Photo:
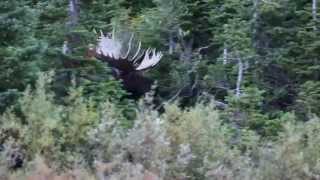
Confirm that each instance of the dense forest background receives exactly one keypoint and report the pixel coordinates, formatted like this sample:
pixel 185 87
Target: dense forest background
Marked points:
pixel 237 93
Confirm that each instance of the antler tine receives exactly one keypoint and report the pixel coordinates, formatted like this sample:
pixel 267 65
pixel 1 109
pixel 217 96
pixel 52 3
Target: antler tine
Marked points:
pixel 108 47
pixel 139 56
pixel 153 51
pixel 99 48
pixel 156 57
pixel 129 47
pixel 145 53
pixel 148 61
pixel 148 51
pixel 137 53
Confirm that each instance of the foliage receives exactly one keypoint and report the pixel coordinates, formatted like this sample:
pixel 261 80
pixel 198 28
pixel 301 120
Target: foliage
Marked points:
pixel 56 131
pixel 194 143
pixel 246 112
pixel 308 98
pixel 80 118
pixel 20 51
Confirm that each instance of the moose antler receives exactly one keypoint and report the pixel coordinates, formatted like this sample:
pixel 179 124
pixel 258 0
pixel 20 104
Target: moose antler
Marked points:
pixel 127 59
pixel 110 49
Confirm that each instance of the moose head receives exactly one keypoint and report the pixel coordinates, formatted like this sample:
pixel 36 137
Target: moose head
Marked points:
pixel 128 61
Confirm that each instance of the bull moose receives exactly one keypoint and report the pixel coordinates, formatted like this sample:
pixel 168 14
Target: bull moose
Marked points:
pixel 127 60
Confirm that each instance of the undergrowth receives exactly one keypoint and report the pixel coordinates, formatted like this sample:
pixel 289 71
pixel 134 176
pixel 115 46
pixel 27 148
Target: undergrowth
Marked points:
pixel 82 140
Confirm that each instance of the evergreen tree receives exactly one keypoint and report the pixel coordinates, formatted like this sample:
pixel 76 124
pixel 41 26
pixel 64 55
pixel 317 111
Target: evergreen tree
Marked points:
pixel 21 53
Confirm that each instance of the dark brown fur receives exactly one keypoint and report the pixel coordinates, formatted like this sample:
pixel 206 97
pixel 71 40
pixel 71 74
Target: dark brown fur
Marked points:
pixel 133 81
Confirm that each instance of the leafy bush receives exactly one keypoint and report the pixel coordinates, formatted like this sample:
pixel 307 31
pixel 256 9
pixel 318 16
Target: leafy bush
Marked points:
pixel 58 132
pixel 308 98
pixel 191 143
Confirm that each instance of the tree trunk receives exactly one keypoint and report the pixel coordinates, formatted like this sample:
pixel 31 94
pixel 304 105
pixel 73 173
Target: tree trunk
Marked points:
pixel 314 13
pixel 186 54
pixel 73 13
pixel 255 23
pixel 171 43
pixel 225 56
pixel 240 77
pixel 73 20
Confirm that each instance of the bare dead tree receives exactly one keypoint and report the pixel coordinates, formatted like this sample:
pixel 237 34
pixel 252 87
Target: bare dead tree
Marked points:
pixel 172 44
pixel 255 23
pixel 225 55
pixel 255 7
pixel 186 54
pixel 186 45
pixel 73 20
pixel 74 11
pixel 65 48
pixel 314 13
pixel 240 77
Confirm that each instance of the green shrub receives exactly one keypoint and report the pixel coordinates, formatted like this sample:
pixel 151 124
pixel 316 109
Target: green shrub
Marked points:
pixel 192 143
pixel 308 98
pixel 55 131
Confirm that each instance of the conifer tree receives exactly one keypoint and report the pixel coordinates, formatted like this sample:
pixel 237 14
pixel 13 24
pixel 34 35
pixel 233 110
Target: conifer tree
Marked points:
pixel 21 52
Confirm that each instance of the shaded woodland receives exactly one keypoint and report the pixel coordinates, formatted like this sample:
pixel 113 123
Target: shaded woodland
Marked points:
pixel 234 93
